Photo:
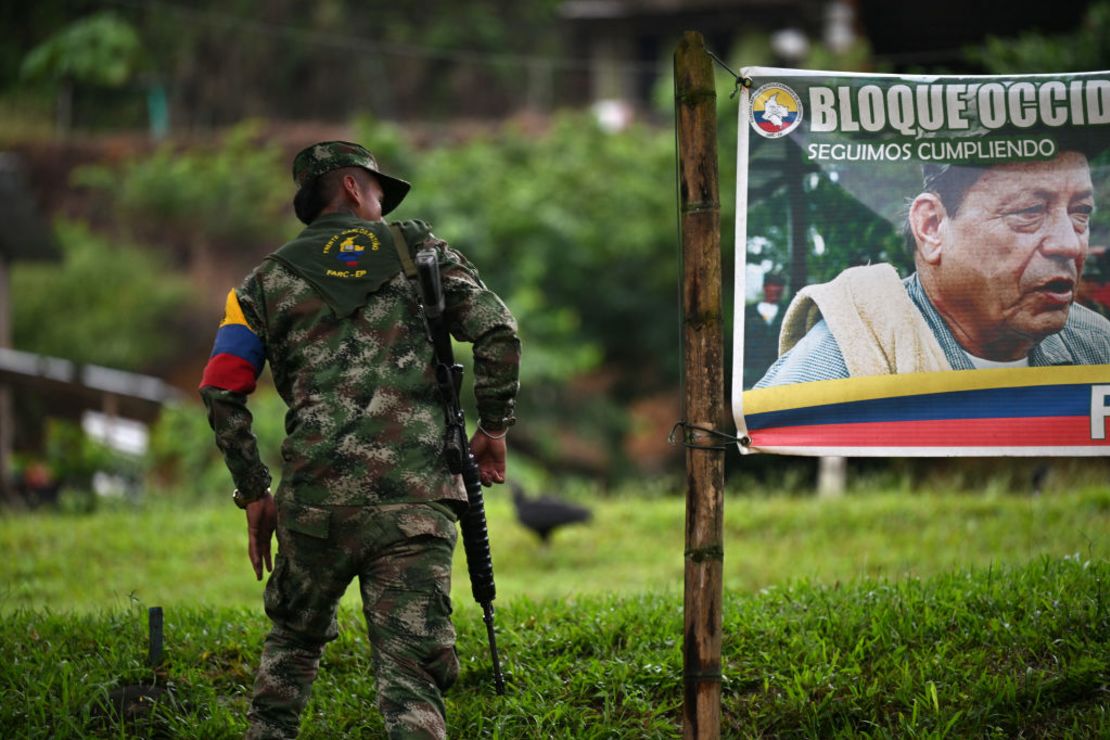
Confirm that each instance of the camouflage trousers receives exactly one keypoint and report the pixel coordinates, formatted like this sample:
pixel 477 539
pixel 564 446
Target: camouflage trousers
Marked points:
pixel 401 556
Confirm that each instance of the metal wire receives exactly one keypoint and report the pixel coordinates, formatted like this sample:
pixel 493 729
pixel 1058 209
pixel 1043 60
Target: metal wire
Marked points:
pixel 689 429
pixel 740 80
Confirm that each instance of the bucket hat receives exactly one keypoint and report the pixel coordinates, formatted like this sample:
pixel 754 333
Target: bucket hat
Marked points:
pixel 318 159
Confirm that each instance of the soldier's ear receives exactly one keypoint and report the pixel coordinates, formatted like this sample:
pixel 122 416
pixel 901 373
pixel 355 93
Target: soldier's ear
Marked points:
pixel 928 220
pixel 351 188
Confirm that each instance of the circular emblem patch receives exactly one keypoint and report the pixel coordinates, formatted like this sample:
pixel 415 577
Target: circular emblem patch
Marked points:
pixel 349 247
pixel 776 110
pixel 349 251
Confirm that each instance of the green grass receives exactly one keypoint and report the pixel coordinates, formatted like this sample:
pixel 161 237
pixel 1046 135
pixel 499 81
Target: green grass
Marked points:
pixel 1001 652
pixel 178 555
pixel 876 615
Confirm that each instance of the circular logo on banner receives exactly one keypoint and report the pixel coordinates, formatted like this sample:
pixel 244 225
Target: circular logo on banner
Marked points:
pixel 776 110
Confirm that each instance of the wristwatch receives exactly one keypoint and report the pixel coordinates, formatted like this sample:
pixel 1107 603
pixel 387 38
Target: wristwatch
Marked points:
pixel 242 501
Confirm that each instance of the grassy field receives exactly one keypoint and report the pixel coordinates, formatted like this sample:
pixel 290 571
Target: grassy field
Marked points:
pixel 878 615
pixel 178 556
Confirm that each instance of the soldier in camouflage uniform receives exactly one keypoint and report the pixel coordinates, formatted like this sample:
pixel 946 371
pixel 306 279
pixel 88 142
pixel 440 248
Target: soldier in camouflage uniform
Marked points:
pixel 365 492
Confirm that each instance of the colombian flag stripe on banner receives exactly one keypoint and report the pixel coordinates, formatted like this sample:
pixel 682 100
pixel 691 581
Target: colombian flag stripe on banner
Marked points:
pixel 238 354
pixel 1027 411
pixel 996 403
pixel 1067 431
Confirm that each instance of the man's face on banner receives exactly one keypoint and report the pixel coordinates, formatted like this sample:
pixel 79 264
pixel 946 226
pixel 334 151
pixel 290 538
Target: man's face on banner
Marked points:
pixel 1005 269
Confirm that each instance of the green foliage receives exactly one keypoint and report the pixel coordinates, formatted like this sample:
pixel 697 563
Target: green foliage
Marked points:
pixel 573 227
pixel 100 49
pixel 576 229
pixel 237 193
pixel 485 24
pixel 1006 651
pixel 183 459
pixel 390 144
pixel 72 457
pixel 106 303
pixel 848 231
pixel 329 59
pixel 1086 49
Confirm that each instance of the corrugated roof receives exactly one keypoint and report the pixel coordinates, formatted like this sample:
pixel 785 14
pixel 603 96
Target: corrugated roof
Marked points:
pixel 84 386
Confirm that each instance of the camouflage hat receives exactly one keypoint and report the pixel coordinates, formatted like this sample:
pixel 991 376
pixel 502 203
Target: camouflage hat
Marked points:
pixel 313 161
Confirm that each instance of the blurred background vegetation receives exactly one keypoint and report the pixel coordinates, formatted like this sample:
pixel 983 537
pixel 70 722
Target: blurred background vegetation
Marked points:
pixel 156 138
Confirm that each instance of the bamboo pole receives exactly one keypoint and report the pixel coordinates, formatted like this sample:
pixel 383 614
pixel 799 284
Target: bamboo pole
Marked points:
pixel 696 121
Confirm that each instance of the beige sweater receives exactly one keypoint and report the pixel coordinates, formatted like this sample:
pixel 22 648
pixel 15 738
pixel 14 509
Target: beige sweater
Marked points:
pixel 879 329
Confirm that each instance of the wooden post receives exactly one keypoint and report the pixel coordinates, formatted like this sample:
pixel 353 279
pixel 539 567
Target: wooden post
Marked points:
pixel 696 119
pixel 832 476
pixel 7 420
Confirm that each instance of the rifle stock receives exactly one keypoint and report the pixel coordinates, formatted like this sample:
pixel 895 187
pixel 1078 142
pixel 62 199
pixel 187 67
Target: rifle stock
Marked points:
pixel 475 532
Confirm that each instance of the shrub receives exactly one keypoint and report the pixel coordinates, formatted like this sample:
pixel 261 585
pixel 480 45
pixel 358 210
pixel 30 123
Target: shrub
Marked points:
pixel 183 457
pixel 108 304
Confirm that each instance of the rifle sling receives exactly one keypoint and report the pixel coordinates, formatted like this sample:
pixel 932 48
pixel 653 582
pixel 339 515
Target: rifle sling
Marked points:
pixel 402 246
pixel 437 330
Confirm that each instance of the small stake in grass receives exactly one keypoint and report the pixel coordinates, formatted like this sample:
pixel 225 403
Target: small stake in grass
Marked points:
pixel 132 705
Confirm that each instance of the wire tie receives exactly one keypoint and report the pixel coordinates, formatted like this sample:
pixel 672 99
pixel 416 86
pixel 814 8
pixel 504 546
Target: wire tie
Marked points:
pixel 688 437
pixel 740 81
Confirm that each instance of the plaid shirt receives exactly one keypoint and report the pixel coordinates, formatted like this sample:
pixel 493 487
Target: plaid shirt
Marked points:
pixel 1084 340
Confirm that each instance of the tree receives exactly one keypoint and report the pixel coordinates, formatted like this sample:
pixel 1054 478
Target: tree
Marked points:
pixel 99 50
pixel 104 304
pixel 1085 49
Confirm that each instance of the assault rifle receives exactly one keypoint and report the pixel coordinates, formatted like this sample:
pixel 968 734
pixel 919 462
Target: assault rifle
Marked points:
pixel 457 449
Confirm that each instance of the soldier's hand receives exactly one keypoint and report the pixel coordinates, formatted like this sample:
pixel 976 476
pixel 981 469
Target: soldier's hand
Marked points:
pixel 261 521
pixel 489 453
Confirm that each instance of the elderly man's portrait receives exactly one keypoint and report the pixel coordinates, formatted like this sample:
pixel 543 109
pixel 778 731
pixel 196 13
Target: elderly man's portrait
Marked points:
pixel 992 276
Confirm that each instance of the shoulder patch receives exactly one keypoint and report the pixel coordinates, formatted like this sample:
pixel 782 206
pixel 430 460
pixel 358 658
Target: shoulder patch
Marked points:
pixel 237 355
pixel 233 312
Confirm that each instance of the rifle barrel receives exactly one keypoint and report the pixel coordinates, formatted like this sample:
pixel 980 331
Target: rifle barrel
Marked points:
pixel 487 617
pixel 475 532
pixel 479 560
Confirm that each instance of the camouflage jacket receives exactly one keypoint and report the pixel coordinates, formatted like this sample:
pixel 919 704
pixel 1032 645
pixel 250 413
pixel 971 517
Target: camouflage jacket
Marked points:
pixel 364 423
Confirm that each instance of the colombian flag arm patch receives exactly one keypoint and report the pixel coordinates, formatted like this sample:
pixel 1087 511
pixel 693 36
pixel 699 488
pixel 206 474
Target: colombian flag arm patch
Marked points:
pixel 238 355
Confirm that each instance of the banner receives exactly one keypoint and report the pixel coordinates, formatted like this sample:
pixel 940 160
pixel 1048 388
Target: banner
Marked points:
pixel 922 264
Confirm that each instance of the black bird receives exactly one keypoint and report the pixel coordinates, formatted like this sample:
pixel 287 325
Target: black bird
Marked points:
pixel 546 513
